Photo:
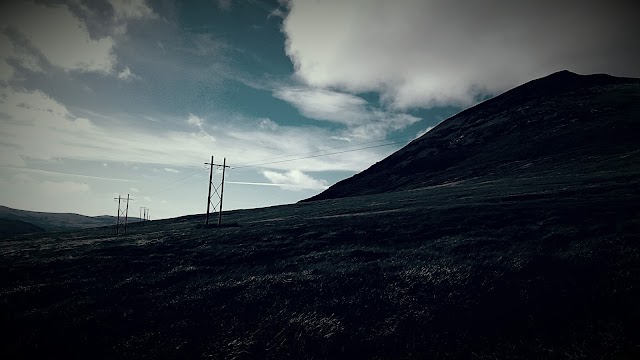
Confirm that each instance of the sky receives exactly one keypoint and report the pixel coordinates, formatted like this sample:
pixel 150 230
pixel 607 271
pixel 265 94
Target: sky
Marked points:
pixel 100 99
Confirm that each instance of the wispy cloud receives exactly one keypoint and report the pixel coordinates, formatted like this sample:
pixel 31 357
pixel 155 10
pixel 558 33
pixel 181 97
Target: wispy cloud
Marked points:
pixel 196 121
pixel 64 174
pixel 132 9
pixel 294 180
pixel 224 4
pixel 66 187
pixel 127 75
pixel 361 120
pixel 39 127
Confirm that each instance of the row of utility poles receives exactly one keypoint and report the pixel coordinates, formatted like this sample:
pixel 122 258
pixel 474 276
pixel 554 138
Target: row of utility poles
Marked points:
pixel 146 214
pixel 122 216
pixel 218 190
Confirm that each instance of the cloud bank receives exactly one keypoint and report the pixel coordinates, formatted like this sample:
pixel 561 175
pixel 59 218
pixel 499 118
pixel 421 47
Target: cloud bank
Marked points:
pixel 361 120
pixel 425 53
pixel 37 127
pixel 68 45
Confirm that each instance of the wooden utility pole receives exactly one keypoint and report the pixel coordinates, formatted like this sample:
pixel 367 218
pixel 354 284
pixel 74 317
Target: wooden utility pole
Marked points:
pixel 143 213
pixel 215 190
pixel 122 214
pixel 224 165
pixel 209 195
pixel 118 216
pixel 126 215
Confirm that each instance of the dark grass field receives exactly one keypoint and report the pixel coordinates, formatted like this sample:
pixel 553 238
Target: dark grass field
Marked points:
pixel 537 267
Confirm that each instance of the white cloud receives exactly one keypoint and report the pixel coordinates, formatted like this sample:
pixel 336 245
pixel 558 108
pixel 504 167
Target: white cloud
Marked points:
pixel 352 111
pixel 224 4
pixel 341 138
pixel 267 124
pixel 134 190
pixel 126 74
pixel 277 12
pixel 67 44
pixel 65 187
pixel 131 9
pixel 62 174
pixel 195 121
pixel 170 170
pixel 426 53
pixel 294 180
pixel 325 104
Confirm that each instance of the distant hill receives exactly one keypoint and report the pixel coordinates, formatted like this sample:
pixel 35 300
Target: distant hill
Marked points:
pixel 17 227
pixel 56 221
pixel 564 123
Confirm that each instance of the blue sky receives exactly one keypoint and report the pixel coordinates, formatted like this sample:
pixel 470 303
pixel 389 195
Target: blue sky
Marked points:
pixel 104 98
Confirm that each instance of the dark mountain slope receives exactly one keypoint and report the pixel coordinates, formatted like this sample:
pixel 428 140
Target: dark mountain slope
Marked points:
pixel 17 227
pixel 563 123
pixel 56 221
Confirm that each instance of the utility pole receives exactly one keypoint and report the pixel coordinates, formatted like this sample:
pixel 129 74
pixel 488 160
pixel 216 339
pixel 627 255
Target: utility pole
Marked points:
pixel 209 195
pixel 224 165
pixel 215 190
pixel 122 213
pixel 143 216
pixel 126 215
pixel 118 216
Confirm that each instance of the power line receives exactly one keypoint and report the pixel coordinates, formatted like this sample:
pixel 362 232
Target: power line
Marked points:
pixel 314 156
pixel 169 184
pixel 186 179
pixel 248 164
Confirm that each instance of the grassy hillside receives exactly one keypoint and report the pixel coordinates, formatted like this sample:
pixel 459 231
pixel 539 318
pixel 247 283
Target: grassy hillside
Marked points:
pixel 521 267
pixel 57 221
pixel 17 227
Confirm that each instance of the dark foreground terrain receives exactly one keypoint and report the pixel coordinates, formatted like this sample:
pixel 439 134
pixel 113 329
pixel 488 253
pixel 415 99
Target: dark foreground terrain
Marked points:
pixel 541 264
